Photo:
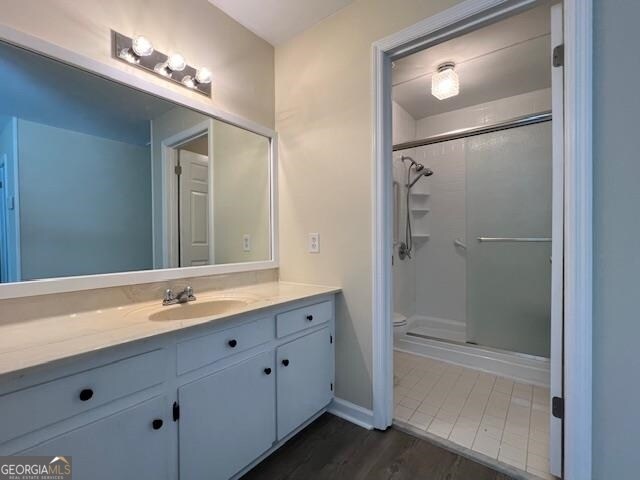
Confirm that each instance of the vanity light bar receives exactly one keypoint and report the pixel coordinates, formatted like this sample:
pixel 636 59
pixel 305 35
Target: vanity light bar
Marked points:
pixel 139 52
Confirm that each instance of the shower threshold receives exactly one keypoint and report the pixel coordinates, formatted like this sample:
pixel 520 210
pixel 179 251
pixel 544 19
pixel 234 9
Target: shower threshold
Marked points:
pixel 476 345
pixel 517 366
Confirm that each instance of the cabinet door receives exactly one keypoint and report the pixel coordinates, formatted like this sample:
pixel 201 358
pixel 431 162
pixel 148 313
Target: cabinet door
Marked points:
pixel 305 377
pixel 126 445
pixel 227 419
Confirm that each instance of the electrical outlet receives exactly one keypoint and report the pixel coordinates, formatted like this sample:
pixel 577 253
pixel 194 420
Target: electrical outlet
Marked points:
pixel 246 242
pixel 314 243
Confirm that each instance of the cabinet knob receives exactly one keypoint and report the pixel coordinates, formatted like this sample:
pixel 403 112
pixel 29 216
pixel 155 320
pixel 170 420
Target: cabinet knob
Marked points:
pixel 233 343
pixel 267 371
pixel 86 394
pixel 285 362
pixel 310 317
pixel 157 424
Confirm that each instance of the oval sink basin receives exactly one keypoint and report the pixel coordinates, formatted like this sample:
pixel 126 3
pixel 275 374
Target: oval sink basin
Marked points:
pixel 187 311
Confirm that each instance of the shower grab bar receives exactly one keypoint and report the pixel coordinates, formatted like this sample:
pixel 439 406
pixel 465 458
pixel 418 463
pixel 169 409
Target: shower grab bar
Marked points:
pixel 459 243
pixel 514 239
pixel 396 213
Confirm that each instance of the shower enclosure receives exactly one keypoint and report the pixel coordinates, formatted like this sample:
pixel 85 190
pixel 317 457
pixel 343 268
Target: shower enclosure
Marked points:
pixel 484 275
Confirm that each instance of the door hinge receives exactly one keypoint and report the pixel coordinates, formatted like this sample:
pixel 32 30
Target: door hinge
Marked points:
pixel 332 387
pixel 557 407
pixel 558 55
pixel 330 338
pixel 178 170
pixel 176 411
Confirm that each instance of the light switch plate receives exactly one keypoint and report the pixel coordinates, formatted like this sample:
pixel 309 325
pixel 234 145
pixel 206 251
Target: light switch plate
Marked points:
pixel 246 242
pixel 314 243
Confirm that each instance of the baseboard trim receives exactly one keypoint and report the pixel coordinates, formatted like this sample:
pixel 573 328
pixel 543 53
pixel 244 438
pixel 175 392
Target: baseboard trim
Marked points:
pixel 352 413
pixel 522 368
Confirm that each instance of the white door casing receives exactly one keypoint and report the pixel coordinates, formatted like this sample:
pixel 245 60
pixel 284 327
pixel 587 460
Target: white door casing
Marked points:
pixel 578 223
pixel 557 246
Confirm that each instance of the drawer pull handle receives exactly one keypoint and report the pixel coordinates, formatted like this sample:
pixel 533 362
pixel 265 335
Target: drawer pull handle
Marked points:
pixel 157 424
pixel 267 371
pixel 285 362
pixel 86 394
pixel 310 317
pixel 233 343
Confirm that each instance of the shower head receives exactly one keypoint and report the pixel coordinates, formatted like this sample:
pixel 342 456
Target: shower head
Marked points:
pixel 424 172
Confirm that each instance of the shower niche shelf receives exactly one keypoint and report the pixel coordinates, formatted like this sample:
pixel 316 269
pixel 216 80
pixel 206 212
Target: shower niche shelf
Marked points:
pixel 420 211
pixel 421 236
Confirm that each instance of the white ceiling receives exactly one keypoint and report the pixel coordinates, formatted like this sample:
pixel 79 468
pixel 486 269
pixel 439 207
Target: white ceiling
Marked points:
pixel 507 58
pixel 277 21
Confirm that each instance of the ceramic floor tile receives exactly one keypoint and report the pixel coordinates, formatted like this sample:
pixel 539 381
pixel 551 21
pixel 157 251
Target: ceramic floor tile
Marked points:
pixel 541 474
pixel 495 416
pixel 516 441
pixel 409 403
pixel 402 413
pixel 503 385
pixel 463 436
pixel 420 420
pixel 440 428
pixel 428 409
pixel 538 448
pixel 486 445
pixel 539 463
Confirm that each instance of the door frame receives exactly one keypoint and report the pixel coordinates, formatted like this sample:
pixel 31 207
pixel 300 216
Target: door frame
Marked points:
pixel 170 226
pixel 578 194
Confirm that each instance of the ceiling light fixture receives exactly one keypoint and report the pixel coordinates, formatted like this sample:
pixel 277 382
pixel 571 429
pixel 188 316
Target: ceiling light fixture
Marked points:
pixel 139 52
pixel 445 83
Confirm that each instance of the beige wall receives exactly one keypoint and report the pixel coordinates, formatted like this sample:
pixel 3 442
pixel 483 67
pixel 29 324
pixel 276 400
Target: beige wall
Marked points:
pixel 323 117
pixel 241 62
pixel 241 194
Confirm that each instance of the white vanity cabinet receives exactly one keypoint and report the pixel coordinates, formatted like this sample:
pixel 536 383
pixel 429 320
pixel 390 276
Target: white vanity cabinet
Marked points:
pixel 305 379
pixel 203 402
pixel 228 419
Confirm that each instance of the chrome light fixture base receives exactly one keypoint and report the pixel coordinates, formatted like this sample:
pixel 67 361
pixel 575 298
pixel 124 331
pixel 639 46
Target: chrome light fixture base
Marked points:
pixel 122 49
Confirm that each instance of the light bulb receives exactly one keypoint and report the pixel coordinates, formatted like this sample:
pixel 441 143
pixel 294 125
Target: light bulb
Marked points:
pixel 445 83
pixel 176 62
pixel 161 69
pixel 188 81
pixel 127 55
pixel 142 46
pixel 203 75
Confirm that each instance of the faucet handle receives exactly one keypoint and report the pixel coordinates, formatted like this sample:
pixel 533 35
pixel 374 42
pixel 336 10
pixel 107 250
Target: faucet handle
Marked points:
pixel 189 291
pixel 168 295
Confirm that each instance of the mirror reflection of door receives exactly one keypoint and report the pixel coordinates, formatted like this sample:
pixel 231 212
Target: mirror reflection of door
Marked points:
pixel 193 203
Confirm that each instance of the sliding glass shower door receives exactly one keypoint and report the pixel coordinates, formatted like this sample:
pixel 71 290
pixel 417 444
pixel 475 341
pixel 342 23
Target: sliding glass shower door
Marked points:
pixel 508 232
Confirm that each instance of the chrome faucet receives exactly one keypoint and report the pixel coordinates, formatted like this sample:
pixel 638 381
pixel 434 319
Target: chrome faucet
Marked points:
pixel 184 296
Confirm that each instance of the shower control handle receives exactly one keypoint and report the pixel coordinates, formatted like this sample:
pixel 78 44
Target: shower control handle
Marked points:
pixel 459 243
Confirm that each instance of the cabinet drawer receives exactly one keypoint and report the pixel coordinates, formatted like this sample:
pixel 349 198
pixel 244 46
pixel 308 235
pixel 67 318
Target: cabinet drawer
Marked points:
pixel 36 407
pixel 301 318
pixel 201 351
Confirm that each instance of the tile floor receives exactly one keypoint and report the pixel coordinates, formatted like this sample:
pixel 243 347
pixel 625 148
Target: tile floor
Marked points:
pixel 492 415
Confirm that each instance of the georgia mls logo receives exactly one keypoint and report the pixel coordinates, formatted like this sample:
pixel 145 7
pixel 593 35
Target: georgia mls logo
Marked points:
pixel 35 468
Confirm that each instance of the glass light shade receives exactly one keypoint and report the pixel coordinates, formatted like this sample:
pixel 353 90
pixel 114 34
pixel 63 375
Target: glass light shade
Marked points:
pixel 142 46
pixel 188 81
pixel 129 56
pixel 445 83
pixel 176 62
pixel 203 75
pixel 161 68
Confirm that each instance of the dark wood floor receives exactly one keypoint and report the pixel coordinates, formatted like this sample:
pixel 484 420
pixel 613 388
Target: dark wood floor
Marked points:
pixel 332 448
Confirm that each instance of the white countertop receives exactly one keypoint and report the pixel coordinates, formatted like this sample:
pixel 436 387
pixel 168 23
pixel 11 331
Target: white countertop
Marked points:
pixel 38 341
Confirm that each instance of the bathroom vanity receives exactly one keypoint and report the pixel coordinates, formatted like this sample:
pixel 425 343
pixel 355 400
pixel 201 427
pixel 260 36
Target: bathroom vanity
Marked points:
pixel 150 391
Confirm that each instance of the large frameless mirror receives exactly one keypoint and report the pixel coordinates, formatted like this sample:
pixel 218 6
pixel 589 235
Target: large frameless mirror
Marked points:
pixel 97 177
